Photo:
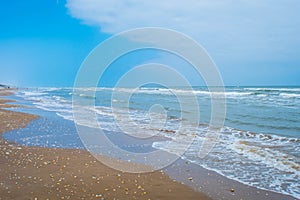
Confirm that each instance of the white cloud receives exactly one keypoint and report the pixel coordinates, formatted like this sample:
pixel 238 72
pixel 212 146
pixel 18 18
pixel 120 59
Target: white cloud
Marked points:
pixel 115 15
pixel 227 28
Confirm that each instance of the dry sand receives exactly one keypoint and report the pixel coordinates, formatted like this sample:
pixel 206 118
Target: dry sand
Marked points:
pixel 44 173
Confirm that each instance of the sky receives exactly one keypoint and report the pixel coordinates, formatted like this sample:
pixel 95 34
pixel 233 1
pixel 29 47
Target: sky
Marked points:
pixel 43 43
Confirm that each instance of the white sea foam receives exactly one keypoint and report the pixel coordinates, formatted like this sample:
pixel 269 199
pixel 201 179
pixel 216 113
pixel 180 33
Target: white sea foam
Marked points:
pixel 274 89
pixel 288 95
pixel 29 93
pixel 239 155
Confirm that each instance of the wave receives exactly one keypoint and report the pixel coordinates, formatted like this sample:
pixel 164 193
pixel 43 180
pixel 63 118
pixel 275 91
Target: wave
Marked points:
pixel 29 93
pixel 274 89
pixel 86 95
pixel 240 155
pixel 289 95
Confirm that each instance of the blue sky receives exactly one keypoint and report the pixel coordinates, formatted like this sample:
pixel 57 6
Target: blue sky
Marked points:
pixel 43 43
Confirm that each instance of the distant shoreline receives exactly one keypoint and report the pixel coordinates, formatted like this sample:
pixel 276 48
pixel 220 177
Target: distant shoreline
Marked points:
pixel 3 86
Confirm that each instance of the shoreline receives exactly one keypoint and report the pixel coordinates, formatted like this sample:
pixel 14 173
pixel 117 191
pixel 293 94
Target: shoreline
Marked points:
pixel 47 173
pixel 217 186
pixel 205 182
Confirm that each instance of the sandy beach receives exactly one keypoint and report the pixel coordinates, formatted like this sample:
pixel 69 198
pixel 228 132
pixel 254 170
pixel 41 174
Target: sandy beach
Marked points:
pixel 44 173
pixel 117 100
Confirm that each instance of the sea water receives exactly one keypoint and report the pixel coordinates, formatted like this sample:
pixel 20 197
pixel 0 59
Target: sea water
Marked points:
pixel 259 144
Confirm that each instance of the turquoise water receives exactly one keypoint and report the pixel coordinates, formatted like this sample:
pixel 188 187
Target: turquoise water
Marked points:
pixel 259 144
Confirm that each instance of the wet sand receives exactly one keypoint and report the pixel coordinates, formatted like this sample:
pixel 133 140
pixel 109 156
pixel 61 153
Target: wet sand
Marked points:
pixel 217 186
pixel 44 173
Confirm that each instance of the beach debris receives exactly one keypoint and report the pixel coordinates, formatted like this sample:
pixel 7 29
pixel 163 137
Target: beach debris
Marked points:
pixel 46 163
pixel 190 178
pixel 231 190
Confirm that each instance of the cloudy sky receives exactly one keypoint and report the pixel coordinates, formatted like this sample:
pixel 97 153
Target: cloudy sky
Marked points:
pixel 43 43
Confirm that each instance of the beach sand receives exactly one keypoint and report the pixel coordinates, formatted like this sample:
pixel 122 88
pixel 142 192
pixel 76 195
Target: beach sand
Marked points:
pixel 44 173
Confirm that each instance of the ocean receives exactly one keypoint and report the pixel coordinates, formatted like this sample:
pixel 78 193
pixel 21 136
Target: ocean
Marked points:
pixel 259 144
